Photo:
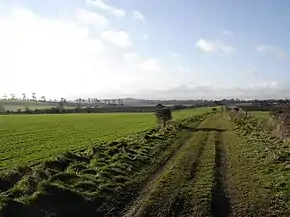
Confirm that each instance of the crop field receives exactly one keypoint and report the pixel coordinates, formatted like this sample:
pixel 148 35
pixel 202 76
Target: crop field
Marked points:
pixel 30 138
pixel 211 164
pixel 260 114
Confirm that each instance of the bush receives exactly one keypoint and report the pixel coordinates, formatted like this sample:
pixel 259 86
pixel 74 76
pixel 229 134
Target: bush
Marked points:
pixel 163 115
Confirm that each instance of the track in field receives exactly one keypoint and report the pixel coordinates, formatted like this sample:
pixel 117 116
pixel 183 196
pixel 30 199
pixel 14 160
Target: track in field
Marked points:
pixel 220 206
pixel 177 207
pixel 206 138
pixel 195 164
pixel 135 206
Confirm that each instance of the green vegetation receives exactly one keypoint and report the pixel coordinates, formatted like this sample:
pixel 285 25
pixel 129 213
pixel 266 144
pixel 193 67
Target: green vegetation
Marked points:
pixel 260 114
pixel 14 105
pixel 216 164
pixel 225 169
pixel 89 182
pixel 31 138
pixel 262 184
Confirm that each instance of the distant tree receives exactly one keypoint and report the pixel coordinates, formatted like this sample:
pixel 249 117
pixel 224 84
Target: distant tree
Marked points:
pixel 2 109
pixel 23 96
pixel 43 99
pixel 27 110
pixel 96 102
pixel 12 96
pixel 163 115
pixel 79 101
pixel 5 96
pixel 89 102
pixel 33 96
pixel 61 103
pixel 113 101
pixel 120 102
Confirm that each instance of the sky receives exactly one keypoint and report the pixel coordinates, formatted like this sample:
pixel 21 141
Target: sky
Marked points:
pixel 165 49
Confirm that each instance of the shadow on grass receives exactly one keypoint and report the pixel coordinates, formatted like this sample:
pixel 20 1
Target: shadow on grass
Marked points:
pixel 204 129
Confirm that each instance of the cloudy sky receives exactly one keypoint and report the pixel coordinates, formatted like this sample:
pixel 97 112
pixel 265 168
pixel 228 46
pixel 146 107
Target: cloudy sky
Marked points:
pixel 166 49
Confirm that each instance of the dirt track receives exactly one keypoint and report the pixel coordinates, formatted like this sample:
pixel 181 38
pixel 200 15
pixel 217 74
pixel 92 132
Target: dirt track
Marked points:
pixel 201 178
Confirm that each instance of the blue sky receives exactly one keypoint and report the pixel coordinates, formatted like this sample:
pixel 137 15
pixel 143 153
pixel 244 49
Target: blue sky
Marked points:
pixel 152 49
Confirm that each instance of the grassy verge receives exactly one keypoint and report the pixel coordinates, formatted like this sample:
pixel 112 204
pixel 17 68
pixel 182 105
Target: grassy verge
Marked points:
pixel 259 170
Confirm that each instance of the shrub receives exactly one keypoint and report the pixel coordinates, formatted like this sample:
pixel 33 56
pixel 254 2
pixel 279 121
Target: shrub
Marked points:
pixel 163 115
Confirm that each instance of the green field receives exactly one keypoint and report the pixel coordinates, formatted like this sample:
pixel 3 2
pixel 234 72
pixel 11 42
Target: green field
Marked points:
pixel 195 167
pixel 30 138
pixel 260 114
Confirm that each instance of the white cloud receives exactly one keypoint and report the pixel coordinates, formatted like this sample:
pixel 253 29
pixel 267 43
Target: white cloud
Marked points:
pixel 60 58
pixel 100 4
pixel 65 58
pixel 145 37
pixel 228 33
pixel 137 15
pixel 174 54
pixel 207 46
pixel 214 47
pixel 120 38
pixel 267 48
pixel 88 17
pixel 262 90
pixel 151 65
pixel 130 56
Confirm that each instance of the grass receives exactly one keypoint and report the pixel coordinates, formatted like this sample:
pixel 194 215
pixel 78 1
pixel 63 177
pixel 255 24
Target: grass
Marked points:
pixel 261 185
pixel 208 165
pixel 32 138
pixel 184 188
pixel 14 105
pixel 260 114
pixel 88 183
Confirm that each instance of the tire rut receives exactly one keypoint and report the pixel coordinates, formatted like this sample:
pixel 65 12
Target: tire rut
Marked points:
pixel 195 164
pixel 220 205
pixel 137 203
pixel 177 207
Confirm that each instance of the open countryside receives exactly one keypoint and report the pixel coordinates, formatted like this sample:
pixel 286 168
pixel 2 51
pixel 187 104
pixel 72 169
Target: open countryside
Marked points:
pixel 29 138
pixel 136 108
pixel 123 164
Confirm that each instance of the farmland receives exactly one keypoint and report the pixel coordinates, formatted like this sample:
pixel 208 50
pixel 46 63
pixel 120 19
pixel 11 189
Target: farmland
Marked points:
pixel 216 164
pixel 260 114
pixel 31 138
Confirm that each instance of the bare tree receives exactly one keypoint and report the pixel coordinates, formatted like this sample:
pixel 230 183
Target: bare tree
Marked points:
pixel 61 103
pixel 12 96
pixel 5 96
pixel 43 99
pixel 89 102
pixel 23 96
pixel 120 102
pixel 33 96
pixel 96 102
pixel 79 101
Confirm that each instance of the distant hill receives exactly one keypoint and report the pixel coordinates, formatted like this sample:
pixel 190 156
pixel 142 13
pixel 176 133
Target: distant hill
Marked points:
pixel 14 105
